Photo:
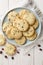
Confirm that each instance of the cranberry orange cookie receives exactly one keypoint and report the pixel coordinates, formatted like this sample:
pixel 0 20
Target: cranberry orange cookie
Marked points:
pixel 29 32
pixel 16 33
pixel 2 40
pixel 10 49
pixel 21 41
pixel 36 24
pixel 32 37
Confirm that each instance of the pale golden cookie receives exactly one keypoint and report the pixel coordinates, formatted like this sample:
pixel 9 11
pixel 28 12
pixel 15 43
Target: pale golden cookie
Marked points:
pixel 2 40
pixel 15 21
pixel 32 37
pixel 9 36
pixel 10 49
pixel 30 18
pixel 16 33
pixel 29 32
pixel 21 41
pixel 23 12
pixel 7 30
pixel 36 24
pixel 5 25
pixel 11 15
pixel 8 33
pixel 22 24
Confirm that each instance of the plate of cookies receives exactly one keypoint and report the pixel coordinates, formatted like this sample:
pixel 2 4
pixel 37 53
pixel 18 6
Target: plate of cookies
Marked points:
pixel 21 26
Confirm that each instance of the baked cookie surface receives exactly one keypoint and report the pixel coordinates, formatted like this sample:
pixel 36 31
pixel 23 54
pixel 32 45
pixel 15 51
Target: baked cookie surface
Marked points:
pixel 23 13
pixel 33 37
pixel 22 25
pixel 7 29
pixel 29 32
pixel 30 18
pixel 36 24
pixel 16 33
pixel 10 49
pixel 5 25
pixel 21 41
pixel 27 15
pixel 8 34
pixel 2 40
pixel 11 15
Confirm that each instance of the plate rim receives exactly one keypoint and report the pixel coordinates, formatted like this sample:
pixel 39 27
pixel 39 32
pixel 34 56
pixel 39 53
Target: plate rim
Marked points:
pixel 32 10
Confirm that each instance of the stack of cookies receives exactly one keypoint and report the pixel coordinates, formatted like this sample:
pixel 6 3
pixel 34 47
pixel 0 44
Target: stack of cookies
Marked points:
pixel 21 26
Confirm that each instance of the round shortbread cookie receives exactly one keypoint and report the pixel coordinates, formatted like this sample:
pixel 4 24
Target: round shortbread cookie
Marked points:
pixel 12 15
pixel 21 41
pixel 10 49
pixel 22 25
pixel 16 33
pixel 30 18
pixel 2 40
pixel 36 24
pixel 33 37
pixel 29 32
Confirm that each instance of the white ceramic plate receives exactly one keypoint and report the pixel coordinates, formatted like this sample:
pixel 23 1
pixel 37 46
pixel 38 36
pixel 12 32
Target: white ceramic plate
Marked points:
pixel 38 29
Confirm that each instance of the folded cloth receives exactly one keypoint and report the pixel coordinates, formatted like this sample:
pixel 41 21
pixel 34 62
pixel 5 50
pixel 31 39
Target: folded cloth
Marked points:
pixel 39 3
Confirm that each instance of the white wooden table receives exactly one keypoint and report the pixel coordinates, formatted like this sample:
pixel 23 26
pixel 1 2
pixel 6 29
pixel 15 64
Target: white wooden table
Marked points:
pixel 36 56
